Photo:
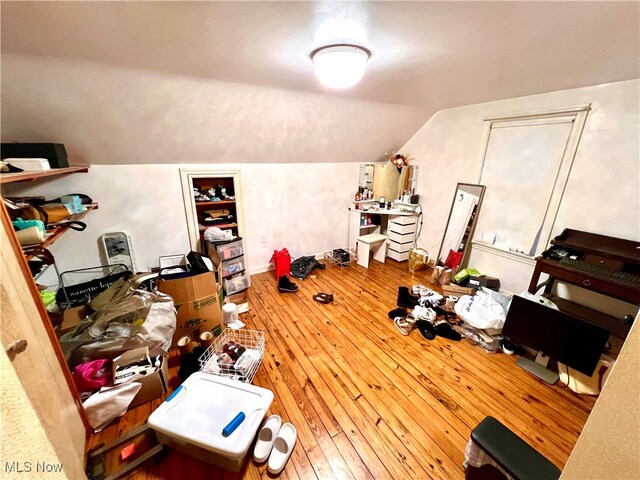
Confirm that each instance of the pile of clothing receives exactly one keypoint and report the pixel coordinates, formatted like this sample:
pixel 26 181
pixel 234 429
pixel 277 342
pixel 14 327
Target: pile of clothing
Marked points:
pixel 302 267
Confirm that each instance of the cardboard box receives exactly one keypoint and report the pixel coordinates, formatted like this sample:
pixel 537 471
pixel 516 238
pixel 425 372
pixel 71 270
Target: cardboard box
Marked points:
pixel 216 259
pixel 464 273
pixel 154 385
pixel 72 317
pixel 198 301
pixel 491 283
pixel 456 290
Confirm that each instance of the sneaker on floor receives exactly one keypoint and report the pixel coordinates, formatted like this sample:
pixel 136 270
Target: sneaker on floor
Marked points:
pixel 424 313
pixel 286 286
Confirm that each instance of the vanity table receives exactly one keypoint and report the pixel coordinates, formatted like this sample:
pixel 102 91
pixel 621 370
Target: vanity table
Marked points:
pixel 397 223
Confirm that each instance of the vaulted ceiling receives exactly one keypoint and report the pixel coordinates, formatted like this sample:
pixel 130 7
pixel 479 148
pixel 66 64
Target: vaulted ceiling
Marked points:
pixel 426 55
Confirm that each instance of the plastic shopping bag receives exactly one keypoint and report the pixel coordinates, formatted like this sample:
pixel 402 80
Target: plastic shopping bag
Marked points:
pixel 485 310
pixel 281 262
pixel 135 320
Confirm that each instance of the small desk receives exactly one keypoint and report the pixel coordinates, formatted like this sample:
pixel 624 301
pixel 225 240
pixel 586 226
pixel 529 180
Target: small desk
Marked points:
pixel 397 224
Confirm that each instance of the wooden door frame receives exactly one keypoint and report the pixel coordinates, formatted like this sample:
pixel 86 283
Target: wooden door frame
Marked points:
pixel 15 249
pixel 187 175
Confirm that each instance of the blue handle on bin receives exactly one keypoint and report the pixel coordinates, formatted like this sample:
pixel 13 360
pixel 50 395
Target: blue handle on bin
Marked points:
pixel 233 424
pixel 175 392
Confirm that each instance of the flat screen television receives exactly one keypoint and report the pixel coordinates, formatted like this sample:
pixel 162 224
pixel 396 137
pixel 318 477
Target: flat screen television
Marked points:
pixel 559 335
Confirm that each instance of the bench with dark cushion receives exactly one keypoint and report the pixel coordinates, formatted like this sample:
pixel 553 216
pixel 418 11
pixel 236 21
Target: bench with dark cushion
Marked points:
pixel 514 455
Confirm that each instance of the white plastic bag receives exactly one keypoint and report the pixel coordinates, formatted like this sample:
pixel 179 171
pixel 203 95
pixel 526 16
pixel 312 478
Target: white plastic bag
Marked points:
pixel 137 320
pixel 109 403
pixel 485 310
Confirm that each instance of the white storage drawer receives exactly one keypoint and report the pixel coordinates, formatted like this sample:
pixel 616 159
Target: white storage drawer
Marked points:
pixel 400 247
pixel 402 229
pixel 230 267
pixel 400 257
pixel 230 250
pixel 237 284
pixel 403 219
pixel 400 238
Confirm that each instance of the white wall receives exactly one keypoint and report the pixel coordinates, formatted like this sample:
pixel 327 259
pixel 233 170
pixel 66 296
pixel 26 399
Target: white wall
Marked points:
pixel 113 115
pixel 302 207
pixel 602 194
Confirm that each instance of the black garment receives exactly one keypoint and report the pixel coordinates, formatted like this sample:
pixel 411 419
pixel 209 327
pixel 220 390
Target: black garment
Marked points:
pixel 302 267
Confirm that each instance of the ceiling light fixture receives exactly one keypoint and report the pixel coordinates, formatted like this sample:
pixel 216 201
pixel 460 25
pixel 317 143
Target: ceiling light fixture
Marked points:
pixel 340 65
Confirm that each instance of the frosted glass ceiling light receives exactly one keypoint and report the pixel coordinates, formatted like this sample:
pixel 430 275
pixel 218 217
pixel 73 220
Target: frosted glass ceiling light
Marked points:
pixel 340 66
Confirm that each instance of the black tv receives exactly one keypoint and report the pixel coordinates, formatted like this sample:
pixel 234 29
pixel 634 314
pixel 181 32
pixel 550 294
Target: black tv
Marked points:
pixel 559 335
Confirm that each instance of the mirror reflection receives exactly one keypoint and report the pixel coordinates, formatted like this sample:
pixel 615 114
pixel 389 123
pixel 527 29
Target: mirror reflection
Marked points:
pixel 388 181
pixel 458 233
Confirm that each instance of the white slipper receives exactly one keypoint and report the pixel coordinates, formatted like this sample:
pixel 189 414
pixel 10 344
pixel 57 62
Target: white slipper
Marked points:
pixel 404 325
pixel 266 438
pixel 282 448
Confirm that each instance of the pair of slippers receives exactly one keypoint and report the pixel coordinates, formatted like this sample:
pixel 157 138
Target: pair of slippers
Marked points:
pixel 322 297
pixel 403 320
pixel 430 332
pixel 275 442
pixel 405 324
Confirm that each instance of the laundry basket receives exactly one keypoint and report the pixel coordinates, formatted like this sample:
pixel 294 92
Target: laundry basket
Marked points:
pixel 247 361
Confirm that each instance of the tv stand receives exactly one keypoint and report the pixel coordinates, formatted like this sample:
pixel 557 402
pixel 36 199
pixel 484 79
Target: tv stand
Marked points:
pixel 538 369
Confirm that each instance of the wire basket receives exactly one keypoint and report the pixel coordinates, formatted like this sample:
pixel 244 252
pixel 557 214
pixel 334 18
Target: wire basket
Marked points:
pixel 244 347
pixel 340 257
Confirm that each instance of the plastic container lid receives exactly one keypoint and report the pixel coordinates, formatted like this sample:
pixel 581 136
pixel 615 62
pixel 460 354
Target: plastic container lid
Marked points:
pixel 203 406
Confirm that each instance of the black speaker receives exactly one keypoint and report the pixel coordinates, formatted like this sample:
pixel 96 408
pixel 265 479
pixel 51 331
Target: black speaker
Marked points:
pixel 54 152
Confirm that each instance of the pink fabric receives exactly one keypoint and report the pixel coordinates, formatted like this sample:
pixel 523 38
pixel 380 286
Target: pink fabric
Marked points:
pixel 92 376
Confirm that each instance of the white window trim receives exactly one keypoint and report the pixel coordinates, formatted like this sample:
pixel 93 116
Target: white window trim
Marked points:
pixel 576 114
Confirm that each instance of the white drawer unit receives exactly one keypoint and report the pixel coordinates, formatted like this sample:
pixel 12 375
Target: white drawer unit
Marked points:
pixel 400 257
pixel 237 284
pixel 400 238
pixel 403 219
pixel 402 229
pixel 401 233
pixel 400 247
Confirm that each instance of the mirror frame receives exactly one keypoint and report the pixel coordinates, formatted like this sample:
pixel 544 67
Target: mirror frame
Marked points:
pixel 467 249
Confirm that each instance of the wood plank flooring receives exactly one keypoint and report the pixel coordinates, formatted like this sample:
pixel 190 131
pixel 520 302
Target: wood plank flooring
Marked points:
pixel 368 402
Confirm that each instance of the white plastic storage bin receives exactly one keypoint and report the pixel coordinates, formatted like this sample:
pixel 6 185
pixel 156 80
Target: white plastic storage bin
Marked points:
pixel 230 250
pixel 231 267
pixel 192 418
pixel 237 284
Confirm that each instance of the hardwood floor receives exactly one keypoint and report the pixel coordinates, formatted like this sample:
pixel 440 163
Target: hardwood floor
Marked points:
pixel 370 403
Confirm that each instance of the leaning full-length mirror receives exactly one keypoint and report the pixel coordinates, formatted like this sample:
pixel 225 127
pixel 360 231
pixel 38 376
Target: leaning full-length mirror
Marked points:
pixel 460 226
